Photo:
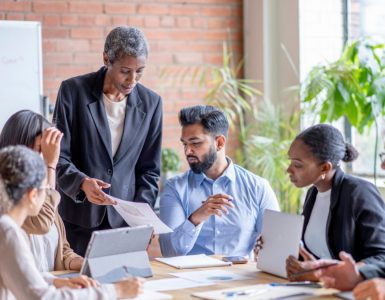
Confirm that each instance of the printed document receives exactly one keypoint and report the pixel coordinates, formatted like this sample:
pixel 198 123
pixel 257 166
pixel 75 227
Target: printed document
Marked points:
pixel 138 213
pixel 192 261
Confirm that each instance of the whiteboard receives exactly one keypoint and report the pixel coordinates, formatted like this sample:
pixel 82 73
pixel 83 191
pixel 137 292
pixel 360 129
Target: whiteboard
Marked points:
pixel 21 80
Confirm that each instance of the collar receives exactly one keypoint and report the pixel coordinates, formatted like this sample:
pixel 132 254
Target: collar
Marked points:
pixel 229 173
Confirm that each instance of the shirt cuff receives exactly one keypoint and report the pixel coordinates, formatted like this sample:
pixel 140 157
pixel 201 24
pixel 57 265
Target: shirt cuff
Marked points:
pixel 190 229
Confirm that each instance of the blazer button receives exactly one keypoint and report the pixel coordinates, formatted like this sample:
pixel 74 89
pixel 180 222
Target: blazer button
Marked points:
pixel 109 172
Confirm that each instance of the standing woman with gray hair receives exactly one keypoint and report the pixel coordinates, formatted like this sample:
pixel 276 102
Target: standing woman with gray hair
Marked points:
pixel 112 128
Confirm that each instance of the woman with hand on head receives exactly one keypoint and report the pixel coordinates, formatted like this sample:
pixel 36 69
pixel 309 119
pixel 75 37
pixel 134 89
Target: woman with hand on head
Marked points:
pixel 342 212
pixel 23 189
pixel 46 230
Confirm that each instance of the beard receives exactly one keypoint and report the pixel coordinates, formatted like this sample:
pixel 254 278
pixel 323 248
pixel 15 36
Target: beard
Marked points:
pixel 206 163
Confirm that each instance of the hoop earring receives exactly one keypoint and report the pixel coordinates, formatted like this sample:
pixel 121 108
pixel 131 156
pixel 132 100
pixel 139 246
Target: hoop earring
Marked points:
pixel 323 176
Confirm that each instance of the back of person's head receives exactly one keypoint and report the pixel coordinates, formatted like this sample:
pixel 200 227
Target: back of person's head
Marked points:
pixel 125 41
pixel 22 128
pixel 21 169
pixel 327 144
pixel 213 120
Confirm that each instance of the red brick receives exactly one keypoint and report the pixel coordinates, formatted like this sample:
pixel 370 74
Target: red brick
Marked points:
pixel 199 22
pixel 51 83
pixel 222 35
pixel 156 34
pixel 86 20
pixel 51 20
pixel 57 32
pixel 167 21
pixel 68 19
pixel 183 58
pixel 72 45
pixel 14 16
pixel 185 34
pixel 87 59
pixel 34 17
pixel 65 72
pixel 153 9
pixel 217 23
pixel 119 8
pixel 11 5
pixel 215 11
pixel 159 58
pixel 151 21
pixel 119 21
pixel 2 16
pixel 185 10
pixel 49 70
pixel 183 22
pixel 86 33
pixel 102 20
pixel 86 7
pixel 137 21
pixel 48 46
pixel 49 6
pixel 58 58
pixel 97 46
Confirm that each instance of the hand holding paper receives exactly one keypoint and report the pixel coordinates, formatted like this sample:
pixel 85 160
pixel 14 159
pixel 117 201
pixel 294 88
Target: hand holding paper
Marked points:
pixel 137 214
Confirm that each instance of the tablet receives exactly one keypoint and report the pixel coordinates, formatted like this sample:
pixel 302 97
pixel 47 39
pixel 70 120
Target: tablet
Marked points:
pixel 114 254
pixel 281 234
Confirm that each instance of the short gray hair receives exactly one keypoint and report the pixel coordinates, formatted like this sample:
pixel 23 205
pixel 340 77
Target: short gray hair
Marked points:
pixel 125 40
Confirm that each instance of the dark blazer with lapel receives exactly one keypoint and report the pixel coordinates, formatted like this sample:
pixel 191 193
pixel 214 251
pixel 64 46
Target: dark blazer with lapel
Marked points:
pixel 86 148
pixel 356 221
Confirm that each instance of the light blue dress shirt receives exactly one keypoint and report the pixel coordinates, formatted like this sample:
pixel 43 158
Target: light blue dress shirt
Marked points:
pixel 233 234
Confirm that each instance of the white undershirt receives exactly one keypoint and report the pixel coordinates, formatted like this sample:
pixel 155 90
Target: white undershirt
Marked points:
pixel 315 235
pixel 116 112
pixel 44 248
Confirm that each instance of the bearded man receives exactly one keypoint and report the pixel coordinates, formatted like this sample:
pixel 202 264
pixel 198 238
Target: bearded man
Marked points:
pixel 216 207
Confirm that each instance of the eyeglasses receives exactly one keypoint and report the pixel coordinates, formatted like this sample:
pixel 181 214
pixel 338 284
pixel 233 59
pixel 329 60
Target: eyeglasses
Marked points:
pixel 382 156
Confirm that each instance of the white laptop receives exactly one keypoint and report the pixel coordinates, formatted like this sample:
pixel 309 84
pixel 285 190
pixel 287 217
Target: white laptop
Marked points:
pixel 114 254
pixel 281 234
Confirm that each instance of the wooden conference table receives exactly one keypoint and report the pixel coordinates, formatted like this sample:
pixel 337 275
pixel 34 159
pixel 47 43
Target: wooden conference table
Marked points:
pixel 161 271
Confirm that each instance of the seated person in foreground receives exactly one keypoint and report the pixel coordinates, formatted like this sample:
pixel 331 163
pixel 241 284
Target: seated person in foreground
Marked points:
pixel 46 231
pixel 342 212
pixel 23 188
pixel 216 207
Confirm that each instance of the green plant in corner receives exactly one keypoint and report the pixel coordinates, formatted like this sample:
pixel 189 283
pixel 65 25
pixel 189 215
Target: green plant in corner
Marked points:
pixel 170 160
pixel 352 86
pixel 266 151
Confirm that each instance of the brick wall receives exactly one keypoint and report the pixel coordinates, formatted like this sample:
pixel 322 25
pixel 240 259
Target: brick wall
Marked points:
pixel 180 33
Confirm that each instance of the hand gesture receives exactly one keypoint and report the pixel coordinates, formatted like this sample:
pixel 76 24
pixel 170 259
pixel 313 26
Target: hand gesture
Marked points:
pixel 258 246
pixel 214 205
pixel 344 276
pixel 75 283
pixel 373 289
pixel 295 268
pixel 50 145
pixel 129 288
pixel 92 187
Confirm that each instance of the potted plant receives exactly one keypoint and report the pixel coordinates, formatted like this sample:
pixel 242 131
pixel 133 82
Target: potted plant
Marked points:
pixel 353 86
pixel 170 164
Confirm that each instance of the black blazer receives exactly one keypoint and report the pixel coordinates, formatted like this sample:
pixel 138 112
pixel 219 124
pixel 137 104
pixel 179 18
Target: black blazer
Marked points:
pixel 356 221
pixel 86 148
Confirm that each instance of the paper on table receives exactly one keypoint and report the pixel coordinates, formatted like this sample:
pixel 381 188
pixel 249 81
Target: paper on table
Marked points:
pixel 150 295
pixel 192 261
pixel 212 276
pixel 137 213
pixel 170 284
pixel 259 291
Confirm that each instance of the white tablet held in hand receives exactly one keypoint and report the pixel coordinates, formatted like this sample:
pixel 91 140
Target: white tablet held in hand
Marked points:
pixel 281 234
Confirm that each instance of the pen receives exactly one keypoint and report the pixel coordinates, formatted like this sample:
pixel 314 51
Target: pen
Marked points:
pixel 250 292
pixel 314 269
pixel 297 283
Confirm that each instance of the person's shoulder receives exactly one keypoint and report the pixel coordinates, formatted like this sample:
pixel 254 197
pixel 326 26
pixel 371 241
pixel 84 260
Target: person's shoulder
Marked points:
pixel 355 182
pixel 81 80
pixel 248 175
pixel 146 93
pixel 178 180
